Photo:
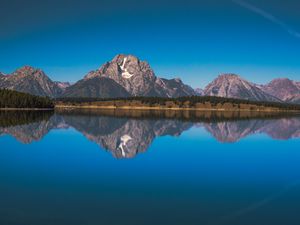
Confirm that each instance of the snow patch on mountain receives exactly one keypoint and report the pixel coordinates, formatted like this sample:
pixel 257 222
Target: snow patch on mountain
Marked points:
pixel 124 139
pixel 125 72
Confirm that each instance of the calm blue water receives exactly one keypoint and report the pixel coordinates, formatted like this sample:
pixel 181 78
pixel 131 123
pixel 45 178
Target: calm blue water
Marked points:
pixel 93 169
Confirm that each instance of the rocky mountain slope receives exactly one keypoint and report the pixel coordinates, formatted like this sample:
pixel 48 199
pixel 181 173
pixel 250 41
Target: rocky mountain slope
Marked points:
pixel 96 87
pixel 199 91
pixel 294 99
pixel 138 78
pixel 233 86
pixel 30 80
pixel 63 85
pixel 283 89
pixel 126 75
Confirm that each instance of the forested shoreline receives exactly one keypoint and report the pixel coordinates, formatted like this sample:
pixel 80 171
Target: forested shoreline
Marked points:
pixel 190 102
pixel 15 99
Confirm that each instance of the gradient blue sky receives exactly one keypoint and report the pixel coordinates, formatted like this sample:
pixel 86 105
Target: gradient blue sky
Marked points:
pixel 194 40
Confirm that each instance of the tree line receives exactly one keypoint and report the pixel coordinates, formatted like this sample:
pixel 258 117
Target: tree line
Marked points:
pixel 14 99
pixel 181 101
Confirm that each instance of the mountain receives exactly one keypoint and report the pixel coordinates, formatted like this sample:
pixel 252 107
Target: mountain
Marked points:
pixel 233 86
pixel 172 88
pixel 295 99
pixel 126 75
pixel 62 85
pixel 30 80
pixel 138 78
pixel 283 89
pixel 100 87
pixel 199 91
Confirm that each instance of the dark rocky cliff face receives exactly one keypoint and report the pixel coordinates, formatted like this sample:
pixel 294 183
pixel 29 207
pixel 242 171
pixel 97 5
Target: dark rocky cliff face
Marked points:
pixel 100 87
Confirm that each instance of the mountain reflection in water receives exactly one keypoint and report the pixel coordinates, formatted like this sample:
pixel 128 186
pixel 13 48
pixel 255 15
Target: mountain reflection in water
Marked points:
pixel 126 133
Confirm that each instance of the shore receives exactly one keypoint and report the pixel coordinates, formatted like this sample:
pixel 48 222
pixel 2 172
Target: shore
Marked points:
pixel 169 108
pixel 26 109
pixel 147 108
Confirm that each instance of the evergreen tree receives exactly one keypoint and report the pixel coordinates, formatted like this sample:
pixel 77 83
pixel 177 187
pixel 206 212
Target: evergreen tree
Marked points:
pixel 14 99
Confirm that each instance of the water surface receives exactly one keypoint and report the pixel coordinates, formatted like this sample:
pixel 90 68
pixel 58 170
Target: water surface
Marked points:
pixel 122 167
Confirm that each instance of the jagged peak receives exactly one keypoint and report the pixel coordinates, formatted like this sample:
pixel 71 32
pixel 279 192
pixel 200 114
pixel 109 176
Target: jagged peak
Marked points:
pixel 62 84
pixel 283 83
pixel 178 80
pixel 281 79
pixel 120 58
pixel 229 76
pixel 199 91
pixel 27 68
pixel 90 74
pixel 29 71
pixel 125 66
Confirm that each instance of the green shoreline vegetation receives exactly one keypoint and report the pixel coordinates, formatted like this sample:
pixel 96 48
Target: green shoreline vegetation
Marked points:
pixel 13 100
pixel 181 103
pixel 10 99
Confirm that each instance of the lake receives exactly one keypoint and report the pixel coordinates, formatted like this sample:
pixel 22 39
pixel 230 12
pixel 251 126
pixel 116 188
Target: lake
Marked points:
pixel 91 167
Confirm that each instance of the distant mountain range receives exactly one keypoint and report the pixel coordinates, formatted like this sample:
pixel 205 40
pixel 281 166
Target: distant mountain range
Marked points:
pixel 126 75
pixel 284 89
pixel 233 86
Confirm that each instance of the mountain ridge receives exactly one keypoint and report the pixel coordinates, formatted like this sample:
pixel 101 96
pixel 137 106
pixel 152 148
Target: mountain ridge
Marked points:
pixel 127 75
pixel 94 87
pixel 234 86
pixel 139 79
pixel 32 81
pixel 283 88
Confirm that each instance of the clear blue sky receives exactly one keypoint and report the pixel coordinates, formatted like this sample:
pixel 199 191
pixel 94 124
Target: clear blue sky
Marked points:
pixel 194 40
